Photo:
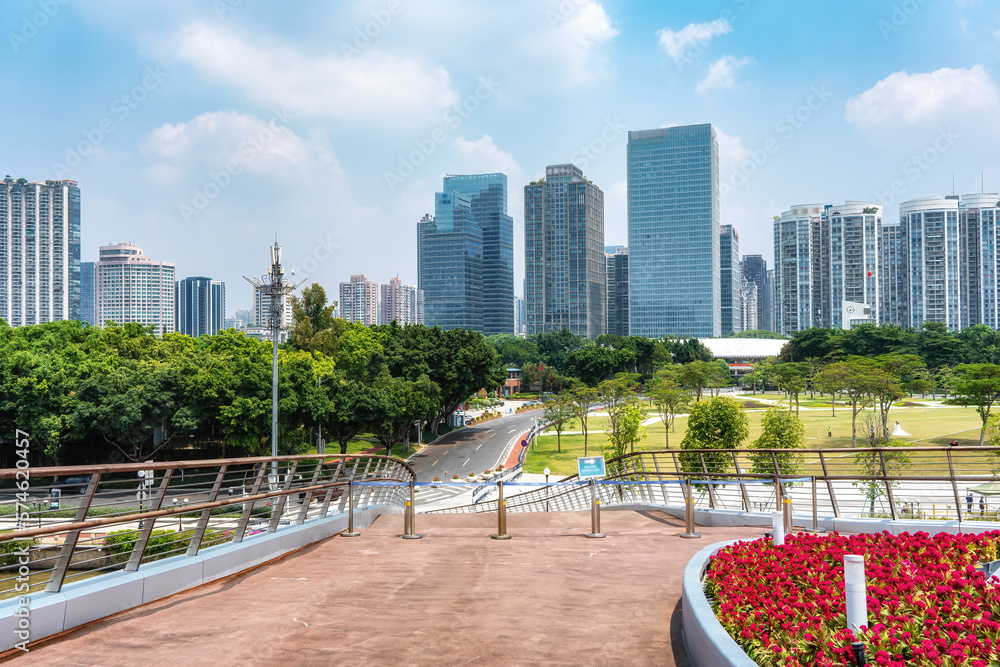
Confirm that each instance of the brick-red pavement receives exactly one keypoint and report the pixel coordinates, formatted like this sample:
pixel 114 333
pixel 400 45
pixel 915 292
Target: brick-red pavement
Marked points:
pixel 548 596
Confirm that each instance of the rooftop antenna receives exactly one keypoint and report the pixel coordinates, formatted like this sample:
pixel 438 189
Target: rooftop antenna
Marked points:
pixel 952 184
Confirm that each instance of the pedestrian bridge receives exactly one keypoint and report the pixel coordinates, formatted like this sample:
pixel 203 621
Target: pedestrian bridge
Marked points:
pixel 143 534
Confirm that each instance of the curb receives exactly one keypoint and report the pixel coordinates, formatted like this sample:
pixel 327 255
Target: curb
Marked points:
pixel 705 640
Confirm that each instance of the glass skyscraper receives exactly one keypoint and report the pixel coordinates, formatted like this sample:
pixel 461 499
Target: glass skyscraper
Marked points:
pixel 88 293
pixel 673 232
pixel 487 195
pixel 450 264
pixel 564 253
pixel 729 265
pixel 201 306
pixel 465 256
pixel 39 251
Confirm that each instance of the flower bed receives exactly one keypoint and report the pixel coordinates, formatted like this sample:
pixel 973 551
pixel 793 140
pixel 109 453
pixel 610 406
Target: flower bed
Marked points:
pixel 927 603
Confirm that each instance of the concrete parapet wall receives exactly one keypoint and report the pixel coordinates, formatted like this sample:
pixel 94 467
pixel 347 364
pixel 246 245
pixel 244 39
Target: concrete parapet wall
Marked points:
pixel 92 599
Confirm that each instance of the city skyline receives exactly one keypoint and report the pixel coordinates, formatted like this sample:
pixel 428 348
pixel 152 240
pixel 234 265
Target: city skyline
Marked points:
pixel 176 147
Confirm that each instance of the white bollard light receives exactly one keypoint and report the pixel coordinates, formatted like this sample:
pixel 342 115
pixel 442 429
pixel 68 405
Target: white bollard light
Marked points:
pixel 778 528
pixel 857 598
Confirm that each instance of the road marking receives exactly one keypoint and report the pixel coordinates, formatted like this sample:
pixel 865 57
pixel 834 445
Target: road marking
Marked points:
pixel 466 463
pixel 435 463
pixel 477 448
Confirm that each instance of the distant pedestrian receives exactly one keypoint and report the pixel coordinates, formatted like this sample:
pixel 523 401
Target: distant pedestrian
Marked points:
pixel 829 431
pixel 968 500
pixel 982 505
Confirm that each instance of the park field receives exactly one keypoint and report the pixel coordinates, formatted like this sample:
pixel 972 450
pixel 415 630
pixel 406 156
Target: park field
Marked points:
pixel 930 426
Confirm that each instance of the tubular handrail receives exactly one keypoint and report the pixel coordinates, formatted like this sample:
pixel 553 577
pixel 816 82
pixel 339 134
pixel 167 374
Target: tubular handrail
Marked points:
pixel 233 499
pixel 880 484
pixel 49 529
pixel 64 471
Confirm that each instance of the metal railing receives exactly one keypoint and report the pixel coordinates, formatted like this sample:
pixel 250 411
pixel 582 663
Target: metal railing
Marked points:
pixel 511 475
pixel 131 514
pixel 927 483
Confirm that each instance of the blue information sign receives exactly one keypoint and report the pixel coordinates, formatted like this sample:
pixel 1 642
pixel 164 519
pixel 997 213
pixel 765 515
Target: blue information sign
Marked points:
pixel 590 467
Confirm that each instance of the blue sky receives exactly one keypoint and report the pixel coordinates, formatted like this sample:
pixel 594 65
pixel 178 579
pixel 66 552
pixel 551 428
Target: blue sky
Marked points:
pixel 201 129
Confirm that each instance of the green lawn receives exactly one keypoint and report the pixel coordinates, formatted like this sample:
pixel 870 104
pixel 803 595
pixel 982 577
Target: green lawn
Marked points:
pixel 927 426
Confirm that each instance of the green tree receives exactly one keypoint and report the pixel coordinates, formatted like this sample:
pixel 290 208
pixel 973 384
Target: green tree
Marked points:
pixel 581 400
pixel 717 424
pixel 559 413
pixel 780 430
pixel 626 429
pixel 882 460
pixel 700 374
pixel 850 378
pixel 310 315
pixel 980 385
pixel 793 379
pixel 668 398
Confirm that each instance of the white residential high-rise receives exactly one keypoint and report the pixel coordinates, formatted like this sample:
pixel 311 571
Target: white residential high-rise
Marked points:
pixel 402 303
pixel 797 292
pixel 849 241
pixel 39 251
pixel 133 288
pixel 262 310
pixel 359 300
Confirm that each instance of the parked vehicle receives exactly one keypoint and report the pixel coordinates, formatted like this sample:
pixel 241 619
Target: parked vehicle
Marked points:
pixel 70 484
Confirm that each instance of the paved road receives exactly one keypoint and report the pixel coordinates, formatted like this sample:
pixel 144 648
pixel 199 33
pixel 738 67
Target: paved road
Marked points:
pixel 471 449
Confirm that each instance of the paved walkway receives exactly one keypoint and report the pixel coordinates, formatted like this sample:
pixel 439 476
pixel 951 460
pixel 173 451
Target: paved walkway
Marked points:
pixel 548 596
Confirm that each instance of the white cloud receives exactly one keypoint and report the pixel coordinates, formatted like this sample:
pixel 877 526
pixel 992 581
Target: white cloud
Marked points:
pixel 484 156
pixel 211 140
pixel 732 152
pixel 924 96
pixel 675 43
pixel 569 46
pixel 375 86
pixel 722 74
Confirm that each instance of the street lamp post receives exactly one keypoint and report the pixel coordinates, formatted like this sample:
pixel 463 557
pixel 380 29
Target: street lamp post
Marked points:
pixel 275 288
pixel 546 471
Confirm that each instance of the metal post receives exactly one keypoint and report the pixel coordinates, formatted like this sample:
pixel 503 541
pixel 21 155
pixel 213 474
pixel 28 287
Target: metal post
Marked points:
pixel 410 518
pixel 854 590
pixel 689 513
pixel 72 537
pixel 350 511
pixel 501 515
pixel 777 529
pixel 595 512
pixel 815 507
pixel 786 510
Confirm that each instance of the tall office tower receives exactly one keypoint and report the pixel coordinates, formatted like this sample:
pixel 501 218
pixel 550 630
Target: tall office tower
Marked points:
pixel 563 253
pixel 520 321
pixel 201 306
pixel 978 220
pixel 755 271
pixel 893 287
pixel 359 300
pixel 39 251
pixel 450 264
pixel 262 310
pixel 617 289
pixel 88 293
pixel 749 305
pixel 243 317
pixel 797 295
pixel 673 232
pixel 133 288
pixel 930 229
pixel 771 322
pixel 487 195
pixel 850 246
pixel 402 303
pixel 731 280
